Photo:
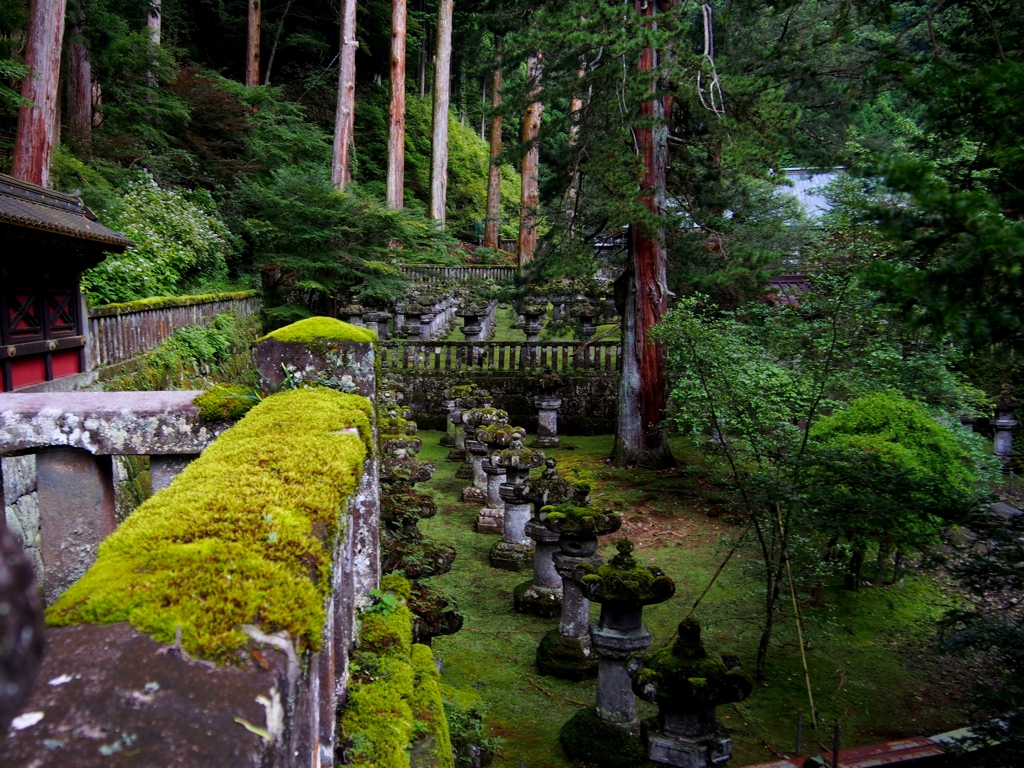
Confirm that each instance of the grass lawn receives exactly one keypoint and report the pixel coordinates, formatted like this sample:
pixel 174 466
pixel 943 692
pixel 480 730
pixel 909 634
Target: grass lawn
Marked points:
pixel 869 660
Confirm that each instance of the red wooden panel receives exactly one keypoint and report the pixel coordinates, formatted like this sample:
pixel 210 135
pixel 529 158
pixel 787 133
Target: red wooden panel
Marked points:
pixel 65 363
pixel 28 370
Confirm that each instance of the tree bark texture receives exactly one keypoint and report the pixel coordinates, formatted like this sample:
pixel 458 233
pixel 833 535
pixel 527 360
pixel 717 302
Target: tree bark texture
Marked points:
pixel 154 21
pixel 529 198
pixel 344 120
pixel 396 122
pixel 34 142
pixel 644 443
pixel 442 98
pixel 79 85
pixel 252 48
pixel 492 227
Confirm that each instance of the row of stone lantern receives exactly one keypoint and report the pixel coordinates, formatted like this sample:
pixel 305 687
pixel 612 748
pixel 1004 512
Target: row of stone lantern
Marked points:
pixel 403 545
pixel 550 525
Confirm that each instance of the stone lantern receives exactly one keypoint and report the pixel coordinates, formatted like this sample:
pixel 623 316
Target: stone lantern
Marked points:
pixel 399 318
pixel 1003 424
pixel 476 452
pixel 687 682
pixel 495 437
pixel 548 403
pixel 413 320
pixel 533 321
pixel 457 399
pixel 472 316
pixel 622 587
pixel 567 652
pixel 514 551
pixel 378 321
pixel 353 314
pixel 587 315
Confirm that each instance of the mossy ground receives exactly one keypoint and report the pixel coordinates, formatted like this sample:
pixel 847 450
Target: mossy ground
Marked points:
pixel 869 659
pixel 503 330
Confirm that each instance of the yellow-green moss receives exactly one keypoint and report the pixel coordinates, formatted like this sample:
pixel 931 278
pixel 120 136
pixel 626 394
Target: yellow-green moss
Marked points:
pixel 160 302
pixel 225 402
pixel 394 695
pixel 242 536
pixel 319 328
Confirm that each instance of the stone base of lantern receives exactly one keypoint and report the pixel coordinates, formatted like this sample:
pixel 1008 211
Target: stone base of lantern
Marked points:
pixel 455 454
pixel 448 441
pixel 567 658
pixel 465 472
pixel 512 557
pixel 588 739
pixel 676 750
pixel 545 442
pixel 474 495
pixel 537 601
pixel 490 520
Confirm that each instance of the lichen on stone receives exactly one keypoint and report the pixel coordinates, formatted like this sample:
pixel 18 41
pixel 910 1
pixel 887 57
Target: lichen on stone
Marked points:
pixel 623 581
pixel 571 520
pixel 322 328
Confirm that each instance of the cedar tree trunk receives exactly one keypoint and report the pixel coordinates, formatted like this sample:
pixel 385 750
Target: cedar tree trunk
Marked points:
pixel 79 87
pixel 493 224
pixel 252 48
pixel 529 198
pixel 277 39
pixel 642 390
pixel 34 142
pixel 442 98
pixel 396 123
pixel 341 171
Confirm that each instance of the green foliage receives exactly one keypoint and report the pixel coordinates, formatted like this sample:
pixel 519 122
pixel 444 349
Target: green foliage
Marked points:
pixel 179 240
pixel 229 543
pixel 194 357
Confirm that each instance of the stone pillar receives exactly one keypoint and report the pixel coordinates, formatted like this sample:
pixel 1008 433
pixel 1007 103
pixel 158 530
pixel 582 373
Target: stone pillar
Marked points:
pixel 164 468
pixel 542 596
pixel 1003 423
pixel 533 316
pixel 476 493
pixel 558 307
pixel 427 326
pixel 547 421
pixel 448 438
pixel 76 509
pixel 492 517
pixel 514 552
pixel 412 327
pixel 616 703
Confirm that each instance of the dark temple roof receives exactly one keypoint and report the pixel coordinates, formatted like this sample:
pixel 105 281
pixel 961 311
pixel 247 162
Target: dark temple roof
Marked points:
pixel 34 207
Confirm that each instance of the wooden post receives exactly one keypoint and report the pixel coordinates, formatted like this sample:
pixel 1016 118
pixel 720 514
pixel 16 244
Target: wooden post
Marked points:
pixel 341 172
pixel 252 49
pixel 493 223
pixel 79 85
pixel 442 99
pixel 530 194
pixel 34 142
pixel 396 122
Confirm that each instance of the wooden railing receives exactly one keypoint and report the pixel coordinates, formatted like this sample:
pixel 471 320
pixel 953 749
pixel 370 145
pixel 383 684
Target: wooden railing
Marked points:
pixel 469 357
pixel 120 332
pixel 429 273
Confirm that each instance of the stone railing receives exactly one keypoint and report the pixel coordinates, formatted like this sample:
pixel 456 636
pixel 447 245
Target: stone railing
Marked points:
pixel 427 273
pixel 121 332
pixel 156 651
pixel 468 356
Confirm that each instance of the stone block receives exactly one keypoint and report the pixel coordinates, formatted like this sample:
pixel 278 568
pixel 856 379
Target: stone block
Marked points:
pixel 490 520
pixel 76 512
pixel 163 469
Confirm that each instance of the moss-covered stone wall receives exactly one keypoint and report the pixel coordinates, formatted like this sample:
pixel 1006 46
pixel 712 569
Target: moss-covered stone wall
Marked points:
pixel 589 401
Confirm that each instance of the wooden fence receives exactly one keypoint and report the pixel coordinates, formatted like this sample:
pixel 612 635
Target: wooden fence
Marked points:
pixel 121 332
pixel 469 356
pixel 431 273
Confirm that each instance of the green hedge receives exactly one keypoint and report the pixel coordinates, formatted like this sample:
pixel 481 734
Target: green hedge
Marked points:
pixel 161 302
pixel 243 536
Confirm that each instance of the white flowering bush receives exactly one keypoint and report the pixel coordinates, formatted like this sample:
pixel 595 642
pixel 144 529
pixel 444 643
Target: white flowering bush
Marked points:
pixel 177 240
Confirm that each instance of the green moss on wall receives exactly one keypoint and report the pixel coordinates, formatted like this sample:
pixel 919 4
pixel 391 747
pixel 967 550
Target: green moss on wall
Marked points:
pixel 225 402
pixel 243 536
pixel 394 716
pixel 318 328
pixel 160 302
